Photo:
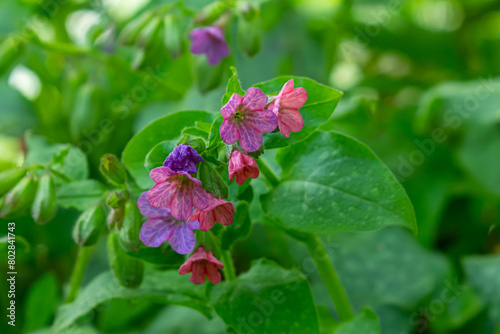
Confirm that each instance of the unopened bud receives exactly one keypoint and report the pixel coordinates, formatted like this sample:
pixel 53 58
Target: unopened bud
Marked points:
pixel 117 198
pixel 9 178
pixel 127 269
pixel 20 197
pixel 112 169
pixel 89 225
pixel 44 207
pixel 131 227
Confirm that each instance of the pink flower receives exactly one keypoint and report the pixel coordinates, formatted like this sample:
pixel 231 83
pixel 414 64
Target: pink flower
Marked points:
pixel 177 190
pixel 245 120
pixel 286 107
pixel 217 210
pixel 242 166
pixel 210 41
pixel 201 264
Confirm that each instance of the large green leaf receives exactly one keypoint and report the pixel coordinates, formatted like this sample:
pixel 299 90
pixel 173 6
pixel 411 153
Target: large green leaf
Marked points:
pixel 317 110
pixel 165 128
pixel 163 286
pixel 267 299
pixel 332 182
pixel 79 195
pixel 43 292
pixel 365 322
pixel 483 274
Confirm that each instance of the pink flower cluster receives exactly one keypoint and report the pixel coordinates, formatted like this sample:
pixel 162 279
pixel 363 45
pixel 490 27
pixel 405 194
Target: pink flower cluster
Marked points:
pixel 247 117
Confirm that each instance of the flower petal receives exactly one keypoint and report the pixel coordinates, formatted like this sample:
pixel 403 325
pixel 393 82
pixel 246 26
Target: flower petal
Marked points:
pixel 212 273
pixel 161 195
pixel 230 107
pixel 200 197
pixel 290 120
pixel 250 139
pixel 224 214
pixel 255 99
pixel 182 239
pixel 198 276
pixel 148 211
pixel 229 132
pixel 154 232
pixel 263 121
pixel 161 174
pixel 182 205
pixel 207 220
pixel 294 99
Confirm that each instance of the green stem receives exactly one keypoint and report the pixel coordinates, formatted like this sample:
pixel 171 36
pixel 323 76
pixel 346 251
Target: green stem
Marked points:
pixel 229 271
pixel 329 275
pixel 268 173
pixel 78 271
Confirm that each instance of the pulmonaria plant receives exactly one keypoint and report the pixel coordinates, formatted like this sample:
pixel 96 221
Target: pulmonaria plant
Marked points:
pixel 177 205
pixel 210 41
pixel 161 226
pixel 245 119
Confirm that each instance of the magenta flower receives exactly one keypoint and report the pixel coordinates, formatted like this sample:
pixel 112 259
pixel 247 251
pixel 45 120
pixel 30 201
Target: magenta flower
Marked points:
pixel 209 40
pixel 217 210
pixel 161 226
pixel 243 167
pixel 286 107
pixel 201 264
pixel 177 190
pixel 245 119
pixel 183 158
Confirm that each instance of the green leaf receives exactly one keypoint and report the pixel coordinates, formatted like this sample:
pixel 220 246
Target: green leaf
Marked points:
pixel 365 322
pixel 44 291
pixel 156 157
pixel 240 228
pixel 211 180
pixel 164 286
pixel 385 267
pixel 331 182
pixel 317 109
pixel 79 195
pixel 233 86
pixel 66 159
pixel 483 274
pixel 166 128
pixel 267 299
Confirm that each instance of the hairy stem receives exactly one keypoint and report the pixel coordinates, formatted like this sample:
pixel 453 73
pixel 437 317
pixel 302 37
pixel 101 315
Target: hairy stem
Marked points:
pixel 229 271
pixel 268 173
pixel 78 271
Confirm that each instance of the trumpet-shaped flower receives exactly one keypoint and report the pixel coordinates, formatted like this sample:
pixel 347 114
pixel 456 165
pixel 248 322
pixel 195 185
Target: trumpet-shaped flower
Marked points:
pixel 245 119
pixel 218 210
pixel 177 190
pixel 242 166
pixel 183 158
pixel 161 226
pixel 209 40
pixel 201 264
pixel 286 108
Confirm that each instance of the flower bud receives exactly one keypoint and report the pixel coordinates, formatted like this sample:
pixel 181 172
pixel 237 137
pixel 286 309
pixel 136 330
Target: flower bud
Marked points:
pixel 210 13
pixel 117 198
pixel 115 218
pixel 211 181
pixel 89 225
pixel 9 178
pixel 131 227
pixel 20 197
pixel 249 36
pixel 172 36
pixel 132 30
pixel 248 11
pixel 150 33
pixel 112 169
pixel 127 269
pixel 44 207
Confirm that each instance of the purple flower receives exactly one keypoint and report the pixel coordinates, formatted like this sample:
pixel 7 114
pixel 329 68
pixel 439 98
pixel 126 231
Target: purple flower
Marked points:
pixel 161 226
pixel 177 190
pixel 183 158
pixel 245 119
pixel 210 41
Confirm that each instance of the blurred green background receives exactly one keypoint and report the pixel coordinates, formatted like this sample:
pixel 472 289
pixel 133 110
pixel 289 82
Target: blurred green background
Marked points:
pixel 420 88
